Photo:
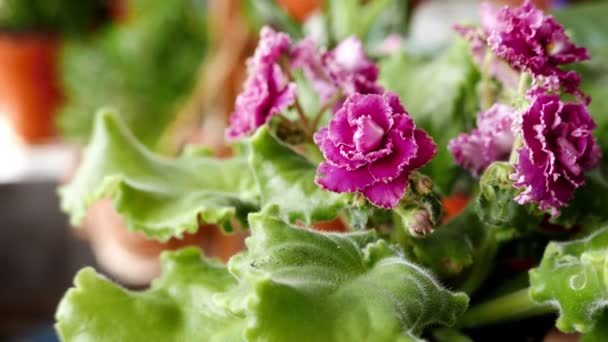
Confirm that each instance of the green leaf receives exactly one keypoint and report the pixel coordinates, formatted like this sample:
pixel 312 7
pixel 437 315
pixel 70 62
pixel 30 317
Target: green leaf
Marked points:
pixel 293 284
pixel 496 207
pixel 444 104
pixel 312 286
pixel 158 196
pixel 599 332
pixel 286 179
pixel 66 16
pixel 572 276
pixel 342 17
pixel 588 207
pixel 179 306
pixel 145 68
pixel 452 247
pixel 586 31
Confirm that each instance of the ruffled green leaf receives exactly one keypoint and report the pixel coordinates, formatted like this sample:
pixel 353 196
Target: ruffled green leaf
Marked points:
pixel 158 196
pixel 287 179
pixel 573 276
pixel 178 307
pixel 293 284
pixel 312 286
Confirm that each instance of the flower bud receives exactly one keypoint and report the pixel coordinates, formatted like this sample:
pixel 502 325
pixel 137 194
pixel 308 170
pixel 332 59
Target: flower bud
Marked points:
pixel 496 205
pixel 420 223
pixel 422 185
pixel 290 133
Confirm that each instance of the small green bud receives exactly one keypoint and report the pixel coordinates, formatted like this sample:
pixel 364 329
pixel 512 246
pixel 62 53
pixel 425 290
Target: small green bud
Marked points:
pixel 421 184
pixel 495 203
pixel 290 132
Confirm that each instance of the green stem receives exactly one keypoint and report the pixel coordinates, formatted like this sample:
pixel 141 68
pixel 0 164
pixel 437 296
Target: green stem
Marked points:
pixel 524 80
pixel 516 145
pixel 332 101
pixel 482 267
pixel 486 84
pixel 514 306
pixel 299 109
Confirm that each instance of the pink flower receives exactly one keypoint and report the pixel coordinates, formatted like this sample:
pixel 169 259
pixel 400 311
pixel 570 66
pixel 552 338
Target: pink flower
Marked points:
pixel 350 68
pixel 266 91
pixel 478 46
pixel 306 57
pixel 271 46
pixel 491 141
pixel 346 69
pixel 532 42
pixel 371 146
pixel 558 149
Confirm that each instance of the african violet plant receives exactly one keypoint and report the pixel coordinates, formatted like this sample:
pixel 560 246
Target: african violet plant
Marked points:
pixel 318 136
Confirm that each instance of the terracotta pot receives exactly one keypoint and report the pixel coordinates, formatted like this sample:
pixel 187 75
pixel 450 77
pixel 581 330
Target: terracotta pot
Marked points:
pixel 132 258
pixel 542 4
pixel 29 87
pixel 299 9
pixel 335 225
pixel 119 10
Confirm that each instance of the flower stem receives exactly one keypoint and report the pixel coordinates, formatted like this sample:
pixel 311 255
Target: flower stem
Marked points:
pixel 486 84
pixel 332 101
pixel 299 109
pixel 480 270
pixel 513 306
pixel 524 80
pixel 514 151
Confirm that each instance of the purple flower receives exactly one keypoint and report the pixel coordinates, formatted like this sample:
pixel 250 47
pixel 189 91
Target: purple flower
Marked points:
pixel 267 91
pixel 478 46
pixel 491 141
pixel 270 47
pixel 558 148
pixel 346 69
pixel 371 146
pixel 306 57
pixel 532 42
pixel 351 69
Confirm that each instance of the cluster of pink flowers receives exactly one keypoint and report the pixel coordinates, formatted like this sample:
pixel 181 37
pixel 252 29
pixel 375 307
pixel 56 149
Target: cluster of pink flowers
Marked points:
pixel 371 145
pixel 343 71
pixel 526 40
pixel 558 146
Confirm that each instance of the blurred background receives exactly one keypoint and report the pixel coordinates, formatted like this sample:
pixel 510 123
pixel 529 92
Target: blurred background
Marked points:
pixel 172 69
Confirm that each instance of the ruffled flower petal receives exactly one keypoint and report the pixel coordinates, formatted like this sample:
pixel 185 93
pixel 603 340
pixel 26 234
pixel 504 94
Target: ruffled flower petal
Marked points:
pixel 387 195
pixel 339 179
pixel 371 147
pixel 558 149
pixel 491 141
pixel 532 42
pixel 267 91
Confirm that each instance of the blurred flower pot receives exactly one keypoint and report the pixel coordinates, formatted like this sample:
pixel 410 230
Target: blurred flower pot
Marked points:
pixel 29 89
pixel 544 4
pixel 132 258
pixel 118 10
pixel 299 9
